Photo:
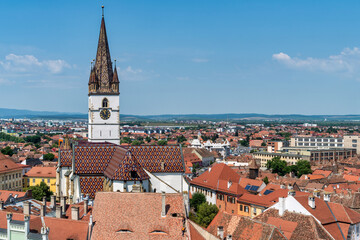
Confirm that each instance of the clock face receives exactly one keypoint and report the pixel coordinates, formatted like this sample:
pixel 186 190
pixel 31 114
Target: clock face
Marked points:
pixel 105 114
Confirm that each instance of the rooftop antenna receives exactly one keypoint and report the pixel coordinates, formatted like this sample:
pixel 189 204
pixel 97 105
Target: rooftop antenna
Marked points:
pixel 102 7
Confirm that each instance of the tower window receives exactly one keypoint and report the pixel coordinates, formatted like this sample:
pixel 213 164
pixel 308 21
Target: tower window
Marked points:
pixel 105 103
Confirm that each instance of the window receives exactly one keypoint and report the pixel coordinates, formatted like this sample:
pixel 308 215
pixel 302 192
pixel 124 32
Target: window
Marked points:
pixel 354 145
pixel 42 180
pixel 254 211
pixel 105 103
pixel 354 141
pixel 246 209
pixel 33 180
pixel 48 181
pixel 241 207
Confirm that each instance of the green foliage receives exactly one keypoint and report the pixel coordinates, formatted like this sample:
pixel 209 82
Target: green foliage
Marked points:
pixel 9 138
pixel 266 180
pixel 40 191
pixel 278 166
pixel 162 142
pixel 125 140
pixel 181 139
pixel 214 137
pixel 136 143
pixel 55 145
pixel 7 151
pixel 263 144
pixel 206 214
pixel 281 168
pixel 34 139
pixel 245 142
pixel 286 135
pixel 196 200
pixel 302 167
pixel 49 157
pixel 148 139
pixel 331 130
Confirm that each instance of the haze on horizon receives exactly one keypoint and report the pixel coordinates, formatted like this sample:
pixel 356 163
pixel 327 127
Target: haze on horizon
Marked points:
pixel 185 57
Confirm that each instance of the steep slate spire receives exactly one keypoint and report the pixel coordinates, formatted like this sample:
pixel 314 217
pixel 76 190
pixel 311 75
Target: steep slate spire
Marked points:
pixel 103 70
pixel 115 77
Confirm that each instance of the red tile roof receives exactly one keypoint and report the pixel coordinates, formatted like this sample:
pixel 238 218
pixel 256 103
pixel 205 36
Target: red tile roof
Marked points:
pixel 138 216
pixel 45 172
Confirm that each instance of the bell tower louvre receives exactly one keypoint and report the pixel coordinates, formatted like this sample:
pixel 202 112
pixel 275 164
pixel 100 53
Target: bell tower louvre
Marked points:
pixel 104 109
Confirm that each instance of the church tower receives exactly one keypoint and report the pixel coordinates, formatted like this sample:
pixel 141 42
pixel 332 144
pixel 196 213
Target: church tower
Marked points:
pixel 104 109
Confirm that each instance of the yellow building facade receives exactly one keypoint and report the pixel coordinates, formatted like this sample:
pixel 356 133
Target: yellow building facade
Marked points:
pixel 41 174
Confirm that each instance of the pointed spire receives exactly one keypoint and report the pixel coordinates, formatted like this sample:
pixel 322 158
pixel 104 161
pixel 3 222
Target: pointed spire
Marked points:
pixel 115 77
pixel 103 66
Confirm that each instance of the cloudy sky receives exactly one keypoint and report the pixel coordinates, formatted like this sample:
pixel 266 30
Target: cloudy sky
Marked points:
pixel 177 57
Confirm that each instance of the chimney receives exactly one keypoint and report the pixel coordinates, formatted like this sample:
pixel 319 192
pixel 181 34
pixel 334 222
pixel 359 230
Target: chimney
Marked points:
pixel 27 224
pixel 29 193
pixel 327 197
pixel 292 193
pixel 281 206
pixel 86 206
pixel 316 193
pixel 229 237
pixel 8 218
pixel 63 203
pixel 209 169
pixel 58 212
pixel 2 205
pixel 27 208
pixel 44 233
pixel 75 213
pixel 311 201
pixel 163 204
pixel 53 202
pixel 44 201
pixel 42 210
pixel 220 232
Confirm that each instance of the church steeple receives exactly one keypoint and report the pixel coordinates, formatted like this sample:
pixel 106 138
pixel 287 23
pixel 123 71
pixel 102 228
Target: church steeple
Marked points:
pixel 103 66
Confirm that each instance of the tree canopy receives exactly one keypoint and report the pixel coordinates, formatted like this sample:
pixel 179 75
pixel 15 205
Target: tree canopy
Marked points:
pixel 281 168
pixel 162 142
pixel 196 200
pixel 40 191
pixel 49 157
pixel 206 214
pixel 7 151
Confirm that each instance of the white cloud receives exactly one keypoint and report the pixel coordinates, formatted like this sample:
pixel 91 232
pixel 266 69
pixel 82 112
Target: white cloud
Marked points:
pixel 4 81
pixel 131 74
pixel 29 63
pixel 200 60
pixel 348 62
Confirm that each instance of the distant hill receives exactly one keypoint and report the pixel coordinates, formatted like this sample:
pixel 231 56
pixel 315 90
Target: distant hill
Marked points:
pixel 16 113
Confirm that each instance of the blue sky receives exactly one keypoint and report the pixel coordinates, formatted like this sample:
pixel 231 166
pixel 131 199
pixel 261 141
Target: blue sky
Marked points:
pixel 178 57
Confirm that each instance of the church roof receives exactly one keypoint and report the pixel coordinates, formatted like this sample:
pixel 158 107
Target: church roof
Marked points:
pixel 125 168
pixel 157 159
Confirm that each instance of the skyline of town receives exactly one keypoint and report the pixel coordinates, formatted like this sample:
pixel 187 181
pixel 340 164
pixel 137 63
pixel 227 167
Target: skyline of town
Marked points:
pixel 200 57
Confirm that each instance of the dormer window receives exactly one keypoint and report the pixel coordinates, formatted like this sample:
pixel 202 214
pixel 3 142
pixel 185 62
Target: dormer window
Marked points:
pixel 157 232
pixel 124 231
pixel 105 103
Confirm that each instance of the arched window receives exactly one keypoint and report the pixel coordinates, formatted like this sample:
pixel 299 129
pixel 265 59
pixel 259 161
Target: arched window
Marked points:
pixel 105 103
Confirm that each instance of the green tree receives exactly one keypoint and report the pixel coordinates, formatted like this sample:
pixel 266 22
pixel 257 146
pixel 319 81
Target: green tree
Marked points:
pixel 302 167
pixel 7 151
pixel 40 191
pixel 278 166
pixel 181 139
pixel 148 139
pixel 206 214
pixel 34 139
pixel 162 142
pixel 49 157
pixel 136 143
pixel 214 137
pixel 196 200
pixel 266 180
pixel 125 140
